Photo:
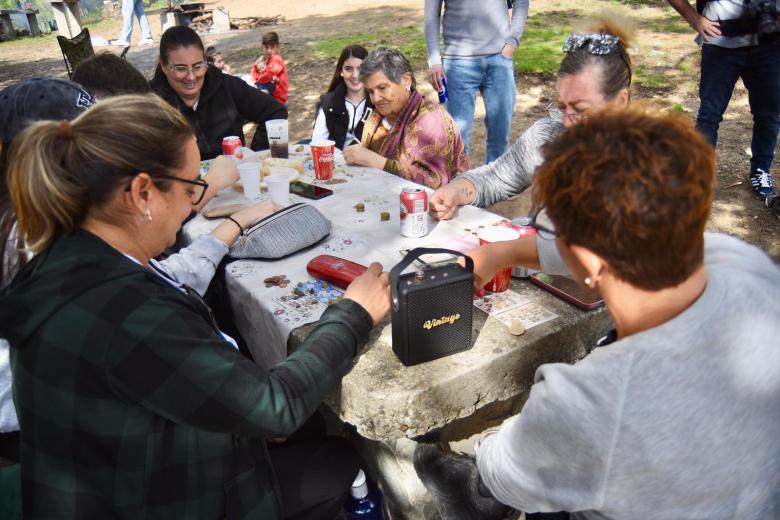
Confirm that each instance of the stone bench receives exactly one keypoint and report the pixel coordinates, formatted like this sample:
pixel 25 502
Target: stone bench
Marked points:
pixel 8 27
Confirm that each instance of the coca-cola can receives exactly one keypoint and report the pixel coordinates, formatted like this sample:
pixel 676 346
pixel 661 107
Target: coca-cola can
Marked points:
pixel 414 212
pixel 231 146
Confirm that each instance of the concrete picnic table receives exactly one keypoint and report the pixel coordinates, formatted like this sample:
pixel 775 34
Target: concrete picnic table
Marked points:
pixel 391 406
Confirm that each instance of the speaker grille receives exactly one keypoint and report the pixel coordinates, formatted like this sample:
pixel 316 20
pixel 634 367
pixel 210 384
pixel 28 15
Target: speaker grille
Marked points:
pixel 435 303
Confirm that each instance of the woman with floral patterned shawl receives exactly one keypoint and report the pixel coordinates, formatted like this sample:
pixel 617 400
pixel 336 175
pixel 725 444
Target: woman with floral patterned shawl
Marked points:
pixel 407 135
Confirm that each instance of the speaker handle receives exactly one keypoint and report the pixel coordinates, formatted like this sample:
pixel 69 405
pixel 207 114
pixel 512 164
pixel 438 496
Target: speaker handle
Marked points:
pixel 413 255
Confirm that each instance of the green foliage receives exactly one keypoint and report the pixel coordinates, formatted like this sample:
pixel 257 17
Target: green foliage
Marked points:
pixel 678 108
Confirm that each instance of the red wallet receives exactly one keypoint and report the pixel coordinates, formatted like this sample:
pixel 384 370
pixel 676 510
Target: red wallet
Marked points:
pixel 335 270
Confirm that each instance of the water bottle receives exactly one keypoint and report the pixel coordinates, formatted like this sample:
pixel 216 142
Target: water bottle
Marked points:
pixel 363 503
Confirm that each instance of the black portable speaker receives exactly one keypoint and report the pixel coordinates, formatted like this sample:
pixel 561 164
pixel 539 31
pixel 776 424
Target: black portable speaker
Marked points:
pixel 432 308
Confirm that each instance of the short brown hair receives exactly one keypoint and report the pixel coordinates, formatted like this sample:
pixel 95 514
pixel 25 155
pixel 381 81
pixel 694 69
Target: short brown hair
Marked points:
pixel 271 38
pixel 105 74
pixel 635 187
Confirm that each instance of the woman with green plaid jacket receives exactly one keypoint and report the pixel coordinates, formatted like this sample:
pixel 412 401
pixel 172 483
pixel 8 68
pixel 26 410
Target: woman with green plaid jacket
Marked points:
pixel 131 402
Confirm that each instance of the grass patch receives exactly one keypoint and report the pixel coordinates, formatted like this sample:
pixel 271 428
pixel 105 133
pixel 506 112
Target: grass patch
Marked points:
pixel 650 78
pixel 540 50
pixel 408 39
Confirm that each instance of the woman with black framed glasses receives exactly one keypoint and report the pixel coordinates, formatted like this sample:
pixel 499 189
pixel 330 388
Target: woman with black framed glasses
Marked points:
pixel 217 105
pixel 595 73
pixel 122 382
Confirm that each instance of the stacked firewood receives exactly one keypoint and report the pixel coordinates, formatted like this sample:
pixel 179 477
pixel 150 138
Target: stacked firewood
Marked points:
pixel 253 21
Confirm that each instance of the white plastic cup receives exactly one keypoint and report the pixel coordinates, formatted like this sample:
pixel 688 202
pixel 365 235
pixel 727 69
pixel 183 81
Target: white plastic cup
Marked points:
pixel 250 178
pixel 279 188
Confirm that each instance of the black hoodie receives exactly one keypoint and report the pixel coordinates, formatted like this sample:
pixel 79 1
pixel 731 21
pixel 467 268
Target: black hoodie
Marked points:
pixel 226 103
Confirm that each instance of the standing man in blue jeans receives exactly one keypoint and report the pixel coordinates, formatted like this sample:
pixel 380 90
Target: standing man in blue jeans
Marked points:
pixel 128 8
pixel 478 54
pixel 736 45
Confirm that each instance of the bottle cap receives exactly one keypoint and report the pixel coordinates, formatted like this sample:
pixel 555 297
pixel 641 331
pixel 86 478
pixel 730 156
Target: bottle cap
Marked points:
pixel 359 486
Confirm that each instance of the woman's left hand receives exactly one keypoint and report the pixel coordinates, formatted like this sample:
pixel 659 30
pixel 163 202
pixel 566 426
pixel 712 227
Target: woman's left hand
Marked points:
pixel 222 173
pixel 360 156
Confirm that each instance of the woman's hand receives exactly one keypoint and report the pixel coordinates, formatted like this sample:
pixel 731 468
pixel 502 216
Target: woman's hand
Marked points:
pixel 371 290
pixel 222 173
pixel 486 263
pixel 253 214
pixel 360 156
pixel 449 197
pixel 247 217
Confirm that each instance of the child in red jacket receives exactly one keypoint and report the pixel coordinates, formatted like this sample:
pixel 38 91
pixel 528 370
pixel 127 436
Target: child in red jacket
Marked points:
pixel 269 73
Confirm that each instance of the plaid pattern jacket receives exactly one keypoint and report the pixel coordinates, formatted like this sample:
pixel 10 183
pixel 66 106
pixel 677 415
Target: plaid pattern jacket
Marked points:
pixel 131 404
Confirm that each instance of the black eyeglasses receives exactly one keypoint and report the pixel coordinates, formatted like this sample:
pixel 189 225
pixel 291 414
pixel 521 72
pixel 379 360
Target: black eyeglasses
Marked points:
pixel 542 231
pixel 196 195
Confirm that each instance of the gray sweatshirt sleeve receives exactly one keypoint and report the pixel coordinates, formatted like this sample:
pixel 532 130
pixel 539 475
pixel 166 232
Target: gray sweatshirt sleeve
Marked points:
pixel 432 29
pixel 519 16
pixel 555 455
pixel 513 172
pixel 196 264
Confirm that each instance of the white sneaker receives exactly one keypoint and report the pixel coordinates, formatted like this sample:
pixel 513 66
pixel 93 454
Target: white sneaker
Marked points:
pixel 146 41
pixel 120 43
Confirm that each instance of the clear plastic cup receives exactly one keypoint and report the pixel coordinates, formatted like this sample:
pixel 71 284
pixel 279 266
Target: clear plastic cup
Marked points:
pixel 250 178
pixel 277 130
pixel 279 188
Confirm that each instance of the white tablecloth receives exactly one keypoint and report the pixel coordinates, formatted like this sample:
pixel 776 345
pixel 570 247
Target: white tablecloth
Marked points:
pixel 265 316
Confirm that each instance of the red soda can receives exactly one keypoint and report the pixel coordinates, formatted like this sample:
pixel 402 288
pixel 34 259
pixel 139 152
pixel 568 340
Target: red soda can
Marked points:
pixel 414 212
pixel 523 225
pixel 231 145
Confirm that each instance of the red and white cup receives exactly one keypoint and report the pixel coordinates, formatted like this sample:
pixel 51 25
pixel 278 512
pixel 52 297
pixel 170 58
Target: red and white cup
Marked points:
pixel 490 235
pixel 322 156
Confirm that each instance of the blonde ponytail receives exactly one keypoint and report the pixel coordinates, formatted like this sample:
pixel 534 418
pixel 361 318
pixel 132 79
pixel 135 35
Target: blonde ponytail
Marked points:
pixel 58 172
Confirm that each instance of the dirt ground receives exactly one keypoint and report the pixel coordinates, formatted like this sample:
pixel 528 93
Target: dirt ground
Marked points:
pixel 735 210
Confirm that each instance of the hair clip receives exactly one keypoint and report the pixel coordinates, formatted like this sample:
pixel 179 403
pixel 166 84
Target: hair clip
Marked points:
pixel 598 42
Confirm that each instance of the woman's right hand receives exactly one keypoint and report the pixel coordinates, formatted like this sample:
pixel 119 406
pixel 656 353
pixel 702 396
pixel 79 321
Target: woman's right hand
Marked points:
pixel 485 264
pixel 371 290
pixel 449 197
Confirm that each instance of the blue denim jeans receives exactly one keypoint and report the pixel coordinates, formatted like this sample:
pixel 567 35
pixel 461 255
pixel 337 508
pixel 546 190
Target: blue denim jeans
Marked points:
pixel 137 6
pixel 494 77
pixel 759 68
